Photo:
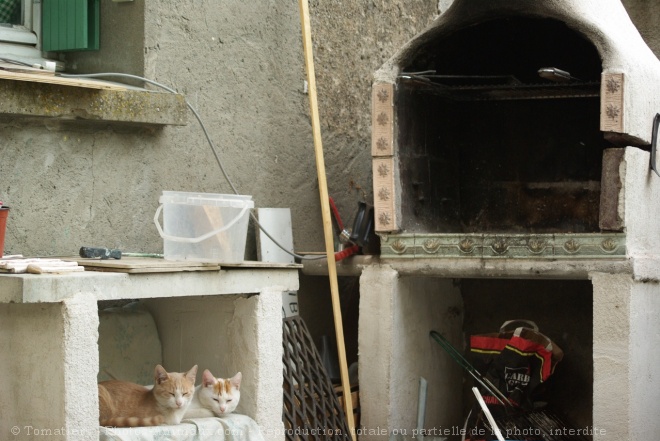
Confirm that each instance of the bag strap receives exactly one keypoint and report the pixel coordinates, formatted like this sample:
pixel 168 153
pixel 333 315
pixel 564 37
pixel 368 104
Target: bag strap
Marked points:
pixel 518 333
pixel 530 324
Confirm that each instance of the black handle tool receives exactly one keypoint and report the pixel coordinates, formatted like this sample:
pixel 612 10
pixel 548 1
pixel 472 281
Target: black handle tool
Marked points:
pixel 103 253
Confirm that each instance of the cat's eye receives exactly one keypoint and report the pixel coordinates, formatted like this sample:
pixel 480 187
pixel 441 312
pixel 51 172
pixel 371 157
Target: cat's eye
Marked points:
pixel 172 393
pixel 229 400
pixel 185 394
pixel 215 399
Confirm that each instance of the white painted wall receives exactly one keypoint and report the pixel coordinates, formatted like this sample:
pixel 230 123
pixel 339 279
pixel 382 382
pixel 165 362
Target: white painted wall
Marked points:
pixel 44 382
pixel 396 316
pixel 37 398
pixel 645 360
pixel 375 349
pixel 612 397
pixel 421 305
pixel 443 5
pixel 626 357
pixel 642 210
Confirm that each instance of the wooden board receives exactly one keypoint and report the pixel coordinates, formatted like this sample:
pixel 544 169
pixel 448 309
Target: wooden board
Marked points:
pixel 256 264
pixel 154 265
pixel 142 265
pixel 23 74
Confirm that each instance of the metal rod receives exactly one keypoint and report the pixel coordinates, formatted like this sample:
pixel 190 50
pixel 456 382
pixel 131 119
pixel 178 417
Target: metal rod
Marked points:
pixel 421 405
pixel 489 416
pixel 458 357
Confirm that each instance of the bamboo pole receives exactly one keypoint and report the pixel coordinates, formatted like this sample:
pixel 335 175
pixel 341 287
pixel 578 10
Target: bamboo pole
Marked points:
pixel 325 211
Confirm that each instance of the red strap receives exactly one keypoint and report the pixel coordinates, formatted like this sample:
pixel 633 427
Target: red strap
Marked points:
pixel 340 255
pixel 480 342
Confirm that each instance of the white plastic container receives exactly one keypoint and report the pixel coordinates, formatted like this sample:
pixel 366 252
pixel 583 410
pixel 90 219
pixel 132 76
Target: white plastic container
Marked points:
pixel 204 227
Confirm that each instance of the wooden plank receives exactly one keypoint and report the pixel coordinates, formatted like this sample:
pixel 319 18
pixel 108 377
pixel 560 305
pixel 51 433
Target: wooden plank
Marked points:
pixel 155 265
pixel 50 78
pixel 328 232
pixel 149 270
pixel 256 264
pixel 142 265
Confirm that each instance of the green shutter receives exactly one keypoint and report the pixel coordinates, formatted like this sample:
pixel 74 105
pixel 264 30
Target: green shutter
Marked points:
pixel 70 25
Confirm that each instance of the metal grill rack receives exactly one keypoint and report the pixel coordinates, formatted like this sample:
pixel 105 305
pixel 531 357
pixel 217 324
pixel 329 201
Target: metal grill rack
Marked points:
pixel 509 90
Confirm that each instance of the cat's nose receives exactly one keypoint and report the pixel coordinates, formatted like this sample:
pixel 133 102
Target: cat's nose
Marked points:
pixel 179 403
pixel 222 409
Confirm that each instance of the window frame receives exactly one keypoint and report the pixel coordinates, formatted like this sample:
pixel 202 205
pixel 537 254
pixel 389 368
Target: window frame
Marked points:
pixel 22 42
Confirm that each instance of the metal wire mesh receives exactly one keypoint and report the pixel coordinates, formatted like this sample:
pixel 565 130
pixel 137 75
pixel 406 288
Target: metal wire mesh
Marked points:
pixel 311 408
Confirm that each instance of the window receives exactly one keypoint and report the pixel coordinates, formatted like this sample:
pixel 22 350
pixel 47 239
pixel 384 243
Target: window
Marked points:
pixel 28 28
pixel 19 36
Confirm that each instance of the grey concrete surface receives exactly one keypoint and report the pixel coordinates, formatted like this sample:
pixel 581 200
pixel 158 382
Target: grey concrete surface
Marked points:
pixel 241 65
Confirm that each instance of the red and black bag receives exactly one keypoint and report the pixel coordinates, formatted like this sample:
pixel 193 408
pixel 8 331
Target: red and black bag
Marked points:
pixel 515 361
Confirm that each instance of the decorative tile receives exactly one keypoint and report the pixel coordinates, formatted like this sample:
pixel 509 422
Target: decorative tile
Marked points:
pixel 518 245
pixel 398 246
pixel 611 102
pixel 448 245
pixel 382 120
pixel 590 245
pixel 384 195
pixel 499 246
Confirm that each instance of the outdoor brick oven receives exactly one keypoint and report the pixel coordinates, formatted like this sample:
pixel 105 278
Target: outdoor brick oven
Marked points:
pixel 511 147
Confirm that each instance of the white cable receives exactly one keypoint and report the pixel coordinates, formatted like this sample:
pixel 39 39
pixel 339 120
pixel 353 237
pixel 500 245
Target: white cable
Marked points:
pixel 208 139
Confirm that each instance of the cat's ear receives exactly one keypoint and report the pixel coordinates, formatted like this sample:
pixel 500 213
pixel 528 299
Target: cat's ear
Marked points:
pixel 236 380
pixel 208 379
pixel 191 375
pixel 160 375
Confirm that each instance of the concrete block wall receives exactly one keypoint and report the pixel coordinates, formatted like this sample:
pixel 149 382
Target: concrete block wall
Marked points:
pixel 644 359
pixel 401 311
pixel 50 389
pixel 241 65
pixel 226 322
pixel 228 334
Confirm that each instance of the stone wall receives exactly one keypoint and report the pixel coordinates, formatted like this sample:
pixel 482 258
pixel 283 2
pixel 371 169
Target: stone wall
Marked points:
pixel 241 65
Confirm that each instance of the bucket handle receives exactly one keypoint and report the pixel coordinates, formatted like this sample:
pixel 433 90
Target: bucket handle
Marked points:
pixel 199 238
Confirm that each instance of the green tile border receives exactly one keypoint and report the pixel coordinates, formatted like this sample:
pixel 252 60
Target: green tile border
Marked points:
pixel 504 246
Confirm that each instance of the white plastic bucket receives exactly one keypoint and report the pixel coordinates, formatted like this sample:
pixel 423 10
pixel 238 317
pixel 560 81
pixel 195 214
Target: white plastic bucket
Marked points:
pixel 203 227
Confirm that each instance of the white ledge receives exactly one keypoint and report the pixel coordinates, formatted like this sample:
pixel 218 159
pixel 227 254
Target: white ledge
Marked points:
pixel 51 288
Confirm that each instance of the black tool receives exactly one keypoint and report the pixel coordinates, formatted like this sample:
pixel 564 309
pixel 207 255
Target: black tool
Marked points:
pixel 107 253
pixel 362 225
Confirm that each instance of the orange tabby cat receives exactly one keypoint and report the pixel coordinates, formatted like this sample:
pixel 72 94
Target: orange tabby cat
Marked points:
pixel 124 404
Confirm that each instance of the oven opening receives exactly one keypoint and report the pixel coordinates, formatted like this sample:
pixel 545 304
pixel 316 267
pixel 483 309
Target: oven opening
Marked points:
pixel 568 392
pixel 458 309
pixel 488 143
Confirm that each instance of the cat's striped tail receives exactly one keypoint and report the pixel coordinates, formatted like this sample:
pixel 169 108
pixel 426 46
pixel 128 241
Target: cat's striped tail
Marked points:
pixel 133 421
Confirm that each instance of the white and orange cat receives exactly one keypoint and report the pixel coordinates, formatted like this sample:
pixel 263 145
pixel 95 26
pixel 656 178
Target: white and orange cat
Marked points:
pixel 215 396
pixel 125 404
